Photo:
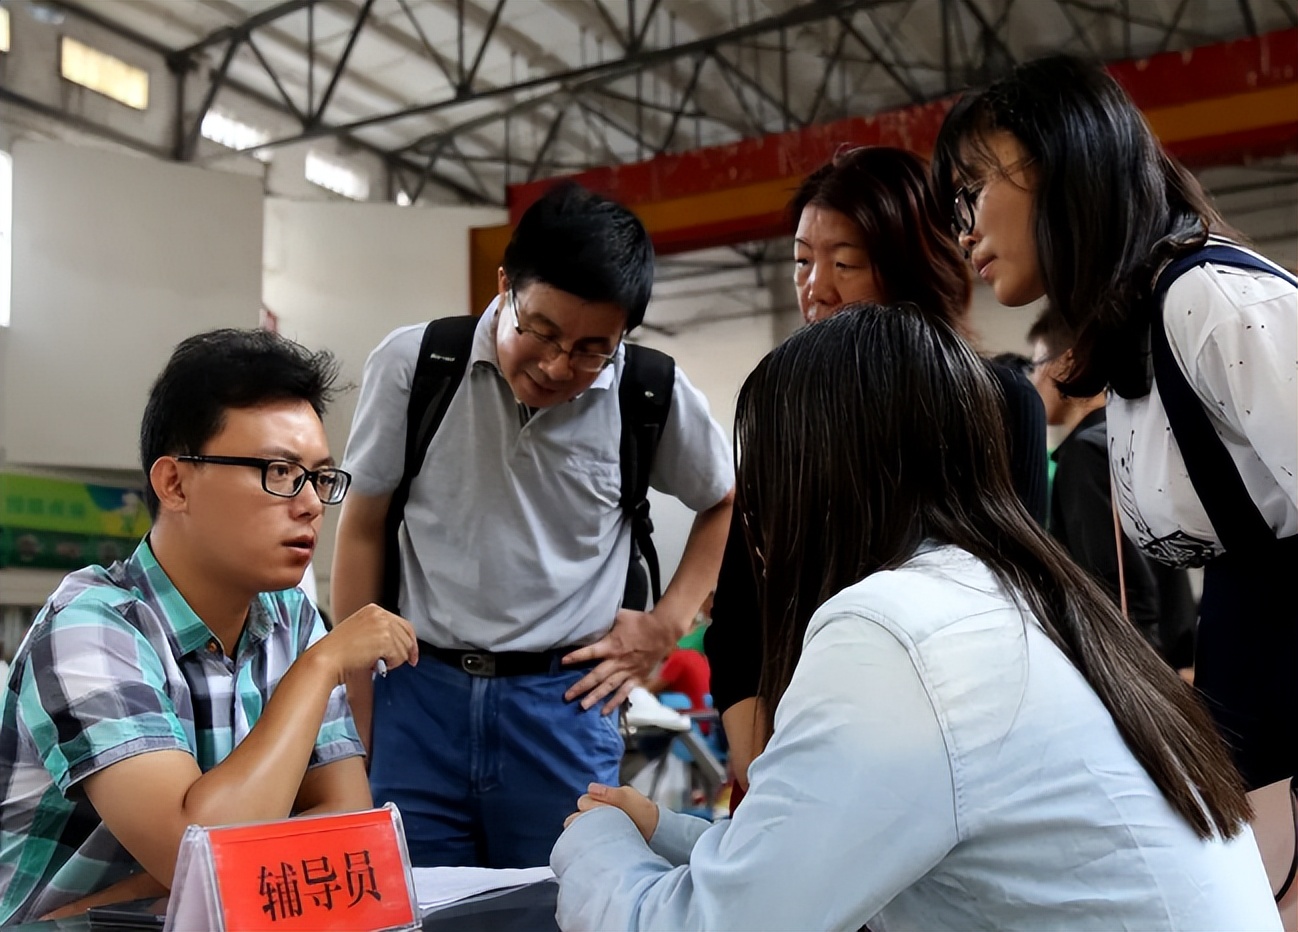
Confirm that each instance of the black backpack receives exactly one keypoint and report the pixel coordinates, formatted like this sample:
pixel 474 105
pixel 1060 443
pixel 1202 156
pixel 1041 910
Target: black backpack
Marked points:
pixel 644 397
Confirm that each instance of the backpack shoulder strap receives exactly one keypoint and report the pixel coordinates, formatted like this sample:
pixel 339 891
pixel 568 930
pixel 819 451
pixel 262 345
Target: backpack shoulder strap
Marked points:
pixel 443 358
pixel 645 398
pixel 1233 513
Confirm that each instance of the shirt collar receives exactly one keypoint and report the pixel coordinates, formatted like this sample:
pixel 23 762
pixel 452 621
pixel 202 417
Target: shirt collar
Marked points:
pixel 484 338
pixel 484 351
pixel 192 633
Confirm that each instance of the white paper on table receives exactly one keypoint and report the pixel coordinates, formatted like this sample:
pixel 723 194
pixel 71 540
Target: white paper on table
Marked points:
pixel 441 886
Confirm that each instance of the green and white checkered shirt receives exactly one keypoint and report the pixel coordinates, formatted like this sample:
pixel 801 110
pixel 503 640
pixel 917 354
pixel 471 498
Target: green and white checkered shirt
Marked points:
pixel 117 664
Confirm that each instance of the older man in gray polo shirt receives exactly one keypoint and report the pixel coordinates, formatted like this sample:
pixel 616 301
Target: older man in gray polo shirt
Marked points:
pixel 514 544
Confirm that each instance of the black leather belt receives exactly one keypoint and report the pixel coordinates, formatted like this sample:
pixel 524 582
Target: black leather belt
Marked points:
pixel 503 663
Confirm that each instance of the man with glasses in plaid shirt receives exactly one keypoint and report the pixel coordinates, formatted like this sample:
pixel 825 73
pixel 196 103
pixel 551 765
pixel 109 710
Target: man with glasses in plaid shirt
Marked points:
pixel 514 548
pixel 192 683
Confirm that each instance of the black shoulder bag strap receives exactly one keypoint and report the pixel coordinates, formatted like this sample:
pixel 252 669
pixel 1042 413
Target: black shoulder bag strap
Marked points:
pixel 1234 515
pixel 443 358
pixel 645 398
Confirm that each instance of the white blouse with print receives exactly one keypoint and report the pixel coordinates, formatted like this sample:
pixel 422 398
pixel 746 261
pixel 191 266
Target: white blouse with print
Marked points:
pixel 1234 334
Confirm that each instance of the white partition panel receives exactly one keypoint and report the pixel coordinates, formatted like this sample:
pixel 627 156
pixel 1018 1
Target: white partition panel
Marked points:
pixel 342 276
pixel 716 357
pixel 116 259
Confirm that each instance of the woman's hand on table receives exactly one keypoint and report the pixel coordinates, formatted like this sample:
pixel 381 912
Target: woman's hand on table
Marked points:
pixel 642 811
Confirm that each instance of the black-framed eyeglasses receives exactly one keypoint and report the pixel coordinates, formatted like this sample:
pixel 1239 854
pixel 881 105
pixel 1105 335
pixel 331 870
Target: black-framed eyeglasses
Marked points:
pixel 962 218
pixel 551 349
pixel 966 198
pixel 286 478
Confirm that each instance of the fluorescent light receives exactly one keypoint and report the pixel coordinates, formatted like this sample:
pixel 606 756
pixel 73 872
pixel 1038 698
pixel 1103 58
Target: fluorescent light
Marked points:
pixel 103 73
pixel 4 29
pixel 335 176
pixel 233 133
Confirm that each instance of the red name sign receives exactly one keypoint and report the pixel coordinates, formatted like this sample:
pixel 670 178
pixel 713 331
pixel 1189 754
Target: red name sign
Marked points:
pixel 334 872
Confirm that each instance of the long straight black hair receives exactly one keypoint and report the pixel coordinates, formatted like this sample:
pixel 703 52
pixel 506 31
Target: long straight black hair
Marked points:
pixel 865 435
pixel 1111 205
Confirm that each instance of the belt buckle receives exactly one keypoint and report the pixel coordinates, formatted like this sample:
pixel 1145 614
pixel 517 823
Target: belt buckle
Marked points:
pixel 478 664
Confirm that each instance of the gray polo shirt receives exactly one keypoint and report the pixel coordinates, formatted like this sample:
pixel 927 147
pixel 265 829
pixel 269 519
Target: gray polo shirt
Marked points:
pixel 513 537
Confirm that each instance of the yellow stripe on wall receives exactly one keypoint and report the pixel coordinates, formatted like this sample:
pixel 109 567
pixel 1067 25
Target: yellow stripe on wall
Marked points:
pixel 1220 116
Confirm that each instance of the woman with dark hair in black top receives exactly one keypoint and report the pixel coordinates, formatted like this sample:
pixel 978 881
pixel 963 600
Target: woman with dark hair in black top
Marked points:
pixel 867 229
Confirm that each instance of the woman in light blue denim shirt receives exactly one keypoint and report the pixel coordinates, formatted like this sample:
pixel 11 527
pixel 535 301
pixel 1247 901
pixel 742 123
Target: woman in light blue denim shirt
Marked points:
pixel 966 733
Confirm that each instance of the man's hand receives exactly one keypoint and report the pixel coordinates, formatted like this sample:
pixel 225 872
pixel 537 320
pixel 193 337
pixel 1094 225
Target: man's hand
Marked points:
pixel 642 811
pixel 637 641
pixel 358 643
pixel 147 800
pixel 135 887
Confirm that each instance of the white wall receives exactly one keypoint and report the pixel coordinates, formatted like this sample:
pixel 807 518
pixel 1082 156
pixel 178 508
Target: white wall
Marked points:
pixel 116 259
pixel 998 329
pixel 716 357
pixel 341 276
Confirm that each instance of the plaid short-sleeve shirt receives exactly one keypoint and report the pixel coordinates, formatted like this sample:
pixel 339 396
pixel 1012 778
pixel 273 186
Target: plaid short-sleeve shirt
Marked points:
pixel 117 664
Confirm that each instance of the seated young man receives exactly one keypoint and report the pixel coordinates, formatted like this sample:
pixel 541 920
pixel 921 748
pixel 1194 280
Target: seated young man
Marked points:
pixel 192 683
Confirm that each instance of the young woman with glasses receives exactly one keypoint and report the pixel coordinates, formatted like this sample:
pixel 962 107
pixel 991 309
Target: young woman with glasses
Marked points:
pixel 1060 190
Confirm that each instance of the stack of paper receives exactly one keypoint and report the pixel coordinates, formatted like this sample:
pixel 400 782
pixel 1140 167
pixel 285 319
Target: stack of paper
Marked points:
pixel 441 886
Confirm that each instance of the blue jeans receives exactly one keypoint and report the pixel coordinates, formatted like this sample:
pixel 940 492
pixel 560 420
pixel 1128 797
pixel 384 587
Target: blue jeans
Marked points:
pixel 485 770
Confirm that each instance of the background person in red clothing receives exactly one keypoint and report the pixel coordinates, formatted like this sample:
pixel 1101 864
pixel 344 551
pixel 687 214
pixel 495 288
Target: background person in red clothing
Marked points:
pixel 684 671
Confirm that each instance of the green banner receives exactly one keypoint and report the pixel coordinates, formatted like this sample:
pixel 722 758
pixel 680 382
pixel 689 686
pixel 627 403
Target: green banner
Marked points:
pixel 64 524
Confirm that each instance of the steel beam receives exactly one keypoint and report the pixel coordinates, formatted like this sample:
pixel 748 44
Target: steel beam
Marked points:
pixel 1171 27
pixel 482 46
pixel 1246 11
pixel 889 68
pixel 1215 103
pixel 831 62
pixel 988 32
pixel 433 55
pixel 686 96
pixel 81 123
pixel 361 17
pixel 753 120
pixel 812 11
pixel 637 42
pixel 544 148
pixel 1123 14
pixel 613 29
pixel 754 85
pixel 256 21
pixel 191 138
pixel 274 78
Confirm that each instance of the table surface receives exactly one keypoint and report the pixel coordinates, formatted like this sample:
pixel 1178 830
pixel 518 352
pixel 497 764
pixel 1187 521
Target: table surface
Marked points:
pixel 525 909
